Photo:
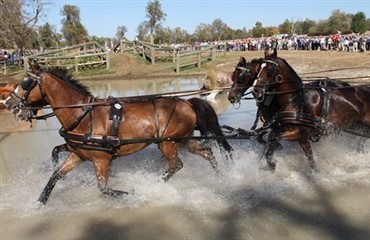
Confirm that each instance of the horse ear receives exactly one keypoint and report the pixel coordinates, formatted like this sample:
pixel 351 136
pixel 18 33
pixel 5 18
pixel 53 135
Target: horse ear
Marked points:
pixel 34 66
pixel 267 53
pixel 242 60
pixel 274 54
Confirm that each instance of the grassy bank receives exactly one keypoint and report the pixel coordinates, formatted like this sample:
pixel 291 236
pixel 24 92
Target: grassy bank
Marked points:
pixel 129 66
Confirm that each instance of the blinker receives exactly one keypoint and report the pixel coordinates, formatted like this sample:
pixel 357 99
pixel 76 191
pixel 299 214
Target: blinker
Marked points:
pixel 26 83
pixel 272 71
pixel 241 77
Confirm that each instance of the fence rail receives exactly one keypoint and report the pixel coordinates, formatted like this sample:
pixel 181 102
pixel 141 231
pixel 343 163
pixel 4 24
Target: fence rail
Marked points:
pixel 182 56
pixel 76 57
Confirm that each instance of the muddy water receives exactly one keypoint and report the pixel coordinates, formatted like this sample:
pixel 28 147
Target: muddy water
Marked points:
pixel 243 202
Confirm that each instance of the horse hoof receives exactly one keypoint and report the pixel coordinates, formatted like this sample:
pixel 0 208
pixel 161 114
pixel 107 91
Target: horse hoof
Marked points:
pixel 118 193
pixel 114 193
pixel 269 168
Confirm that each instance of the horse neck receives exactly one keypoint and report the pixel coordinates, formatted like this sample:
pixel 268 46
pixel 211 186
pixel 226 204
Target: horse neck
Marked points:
pixel 291 86
pixel 59 93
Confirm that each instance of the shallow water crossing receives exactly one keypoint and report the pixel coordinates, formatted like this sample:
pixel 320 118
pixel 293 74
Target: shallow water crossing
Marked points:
pixel 242 202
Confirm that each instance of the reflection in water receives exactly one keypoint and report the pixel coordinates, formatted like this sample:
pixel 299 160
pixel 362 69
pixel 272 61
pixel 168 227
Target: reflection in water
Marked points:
pixel 243 202
pixel 139 87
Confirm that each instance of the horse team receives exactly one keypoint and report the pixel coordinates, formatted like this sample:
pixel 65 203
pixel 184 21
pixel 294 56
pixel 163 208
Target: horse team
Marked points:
pixel 100 130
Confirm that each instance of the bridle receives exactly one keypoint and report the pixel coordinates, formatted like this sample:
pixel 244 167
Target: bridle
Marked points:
pixel 17 104
pixel 275 79
pixel 240 94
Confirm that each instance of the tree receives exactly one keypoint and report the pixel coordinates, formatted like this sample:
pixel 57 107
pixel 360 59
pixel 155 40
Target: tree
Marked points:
pixel 286 27
pixel 142 31
pixel 46 35
pixel 339 21
pixel 73 30
pixel 322 27
pixel 258 30
pixel 121 31
pixel 203 32
pixel 358 23
pixel 303 27
pixel 18 20
pixel 218 27
pixel 154 16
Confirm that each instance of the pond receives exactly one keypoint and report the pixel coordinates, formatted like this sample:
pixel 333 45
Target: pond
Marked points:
pixel 242 202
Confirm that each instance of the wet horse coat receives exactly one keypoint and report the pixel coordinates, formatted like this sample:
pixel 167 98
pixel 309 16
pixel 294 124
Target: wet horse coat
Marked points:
pixel 100 130
pixel 310 111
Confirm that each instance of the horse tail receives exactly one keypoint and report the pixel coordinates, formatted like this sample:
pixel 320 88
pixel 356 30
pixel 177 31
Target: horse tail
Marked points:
pixel 207 121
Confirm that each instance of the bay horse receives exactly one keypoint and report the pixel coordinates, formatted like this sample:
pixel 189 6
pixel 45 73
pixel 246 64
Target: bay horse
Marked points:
pixel 5 90
pixel 309 111
pixel 100 130
pixel 243 77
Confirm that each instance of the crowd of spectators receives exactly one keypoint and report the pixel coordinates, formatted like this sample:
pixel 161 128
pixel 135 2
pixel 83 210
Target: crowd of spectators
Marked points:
pixel 11 57
pixel 338 42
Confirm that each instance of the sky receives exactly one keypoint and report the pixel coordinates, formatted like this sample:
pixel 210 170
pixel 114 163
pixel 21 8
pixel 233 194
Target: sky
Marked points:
pixel 102 17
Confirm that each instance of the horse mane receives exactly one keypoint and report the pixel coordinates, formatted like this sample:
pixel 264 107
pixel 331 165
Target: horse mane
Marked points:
pixel 256 60
pixel 66 76
pixel 290 67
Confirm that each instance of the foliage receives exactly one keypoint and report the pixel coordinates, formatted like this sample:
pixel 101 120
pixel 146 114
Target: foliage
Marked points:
pixel 154 15
pixel 286 27
pixel 18 21
pixel 121 31
pixel 73 30
pixel 358 23
pixel 46 34
pixel 339 21
pixel 218 28
pixel 260 31
pixel 203 32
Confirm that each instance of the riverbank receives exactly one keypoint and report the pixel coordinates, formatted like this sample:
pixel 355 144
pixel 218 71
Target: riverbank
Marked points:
pixel 317 63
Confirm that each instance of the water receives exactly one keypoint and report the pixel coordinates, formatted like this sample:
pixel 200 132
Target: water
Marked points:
pixel 243 202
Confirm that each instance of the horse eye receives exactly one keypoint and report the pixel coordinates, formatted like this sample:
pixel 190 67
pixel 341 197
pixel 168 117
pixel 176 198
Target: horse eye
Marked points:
pixel 26 83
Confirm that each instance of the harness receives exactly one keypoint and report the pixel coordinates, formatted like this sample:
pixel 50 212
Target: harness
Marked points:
pixel 298 117
pixel 109 143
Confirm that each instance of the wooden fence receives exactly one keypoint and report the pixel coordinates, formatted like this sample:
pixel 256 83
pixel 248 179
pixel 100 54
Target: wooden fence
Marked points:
pixel 73 57
pixel 182 56
pixel 6 67
pixel 197 57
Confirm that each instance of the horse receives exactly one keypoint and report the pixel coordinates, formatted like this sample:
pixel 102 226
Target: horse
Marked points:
pixel 5 90
pixel 242 79
pixel 309 111
pixel 100 130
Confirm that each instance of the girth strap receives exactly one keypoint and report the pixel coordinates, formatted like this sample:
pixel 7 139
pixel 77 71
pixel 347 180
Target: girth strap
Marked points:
pixel 298 118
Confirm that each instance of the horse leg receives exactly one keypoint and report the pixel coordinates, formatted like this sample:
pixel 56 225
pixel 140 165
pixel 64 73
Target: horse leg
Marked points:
pixel 69 163
pixel 55 153
pixel 197 148
pixel 170 152
pixel 102 171
pixel 270 148
pixel 306 146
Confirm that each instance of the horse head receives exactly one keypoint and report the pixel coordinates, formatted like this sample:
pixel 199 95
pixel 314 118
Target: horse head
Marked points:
pixel 5 90
pixel 26 95
pixel 243 78
pixel 276 75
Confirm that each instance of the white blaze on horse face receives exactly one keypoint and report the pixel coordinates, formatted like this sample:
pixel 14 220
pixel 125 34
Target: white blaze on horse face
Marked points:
pixel 5 102
pixel 263 65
